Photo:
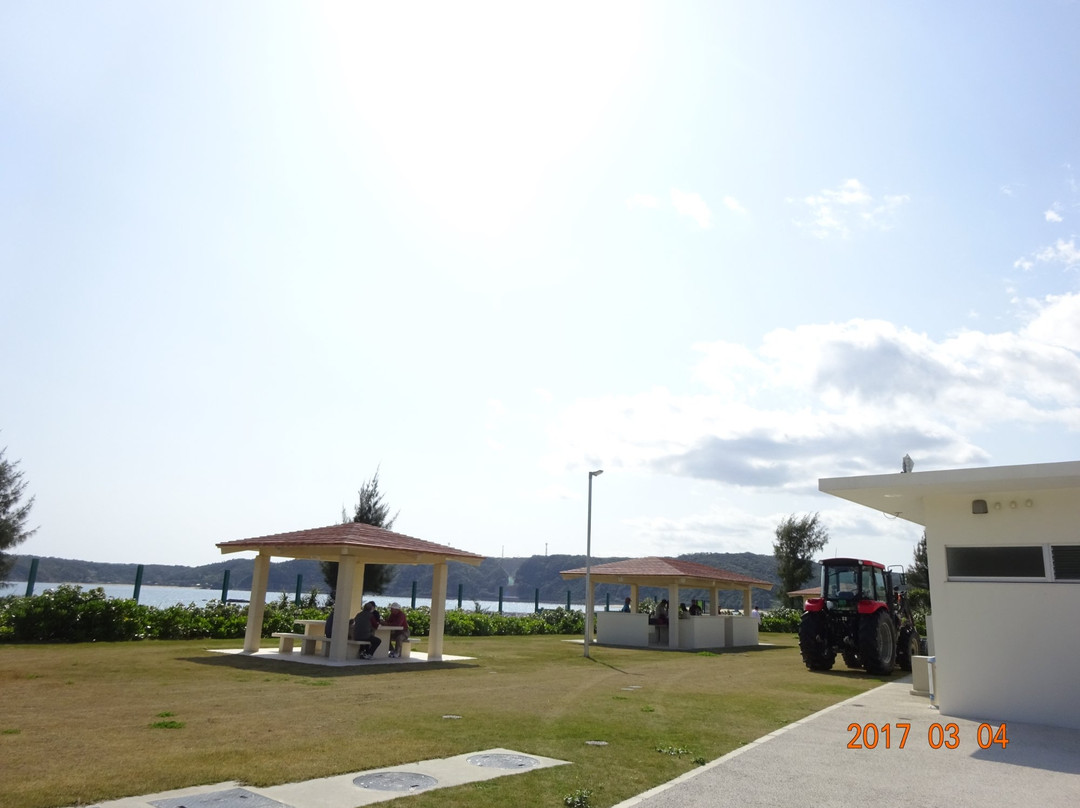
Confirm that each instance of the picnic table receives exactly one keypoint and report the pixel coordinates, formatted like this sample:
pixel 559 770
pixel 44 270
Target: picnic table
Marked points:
pixel 385 633
pixel 314 633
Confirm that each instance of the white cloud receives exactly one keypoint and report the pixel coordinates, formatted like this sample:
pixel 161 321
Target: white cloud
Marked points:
pixel 690 204
pixel 835 400
pixel 686 203
pixel 733 204
pixel 834 212
pixel 1052 215
pixel 1063 252
pixel 1055 320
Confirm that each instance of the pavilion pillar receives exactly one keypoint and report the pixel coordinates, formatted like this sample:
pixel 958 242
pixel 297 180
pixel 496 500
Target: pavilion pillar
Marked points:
pixel 673 616
pixel 438 611
pixel 257 605
pixel 633 598
pixel 714 604
pixel 343 607
pixel 357 596
pixel 748 605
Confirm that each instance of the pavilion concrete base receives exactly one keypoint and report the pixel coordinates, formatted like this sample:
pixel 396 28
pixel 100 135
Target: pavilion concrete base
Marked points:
pixel 272 654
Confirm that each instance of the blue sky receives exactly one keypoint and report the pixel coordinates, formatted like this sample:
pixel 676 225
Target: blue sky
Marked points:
pixel 251 252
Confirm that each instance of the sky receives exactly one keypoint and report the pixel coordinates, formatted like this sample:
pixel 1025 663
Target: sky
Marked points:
pixel 253 252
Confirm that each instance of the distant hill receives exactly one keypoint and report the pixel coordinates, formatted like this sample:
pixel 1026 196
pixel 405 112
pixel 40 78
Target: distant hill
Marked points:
pixel 518 577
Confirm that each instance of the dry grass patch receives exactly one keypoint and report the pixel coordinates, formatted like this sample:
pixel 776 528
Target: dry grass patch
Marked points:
pixel 84 723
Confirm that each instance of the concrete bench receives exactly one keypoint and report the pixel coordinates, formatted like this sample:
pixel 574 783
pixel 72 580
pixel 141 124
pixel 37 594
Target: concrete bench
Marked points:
pixel 286 639
pixel 356 647
pixel 310 642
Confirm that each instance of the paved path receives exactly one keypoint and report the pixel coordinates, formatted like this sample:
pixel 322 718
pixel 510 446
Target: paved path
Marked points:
pixel 809 763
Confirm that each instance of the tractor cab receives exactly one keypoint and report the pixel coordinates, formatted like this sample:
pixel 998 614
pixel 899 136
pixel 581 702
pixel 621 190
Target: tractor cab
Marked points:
pixel 849 584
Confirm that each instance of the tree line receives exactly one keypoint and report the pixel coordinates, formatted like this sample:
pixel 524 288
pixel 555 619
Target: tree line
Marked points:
pixel 791 567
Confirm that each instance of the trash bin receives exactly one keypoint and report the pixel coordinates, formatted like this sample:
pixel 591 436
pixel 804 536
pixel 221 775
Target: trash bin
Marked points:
pixel 920 676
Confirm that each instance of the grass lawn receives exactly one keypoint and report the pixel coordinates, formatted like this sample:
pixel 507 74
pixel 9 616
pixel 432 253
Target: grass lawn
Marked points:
pixel 92 722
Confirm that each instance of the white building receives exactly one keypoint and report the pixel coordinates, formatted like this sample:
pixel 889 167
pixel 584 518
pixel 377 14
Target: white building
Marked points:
pixel 1003 546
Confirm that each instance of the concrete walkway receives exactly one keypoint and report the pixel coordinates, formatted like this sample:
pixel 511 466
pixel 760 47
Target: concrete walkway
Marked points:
pixel 348 790
pixel 809 763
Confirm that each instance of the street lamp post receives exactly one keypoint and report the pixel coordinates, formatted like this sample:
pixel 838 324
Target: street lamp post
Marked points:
pixel 588 568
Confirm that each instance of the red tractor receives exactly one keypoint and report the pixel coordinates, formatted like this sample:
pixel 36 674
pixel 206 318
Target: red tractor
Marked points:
pixel 862 616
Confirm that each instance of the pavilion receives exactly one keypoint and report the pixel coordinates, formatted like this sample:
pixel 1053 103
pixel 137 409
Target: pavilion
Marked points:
pixel 352 545
pixel 703 631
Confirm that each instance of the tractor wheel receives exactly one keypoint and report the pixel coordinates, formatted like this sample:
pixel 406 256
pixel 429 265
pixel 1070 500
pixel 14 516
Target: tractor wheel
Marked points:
pixel 909 647
pixel 877 643
pixel 851 659
pixel 814 641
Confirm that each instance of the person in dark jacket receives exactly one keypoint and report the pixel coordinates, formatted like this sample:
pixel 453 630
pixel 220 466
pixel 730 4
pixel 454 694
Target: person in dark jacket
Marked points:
pixel 364 625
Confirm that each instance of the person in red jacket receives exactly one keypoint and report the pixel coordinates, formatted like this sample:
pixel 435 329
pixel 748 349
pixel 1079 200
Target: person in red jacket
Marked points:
pixel 397 618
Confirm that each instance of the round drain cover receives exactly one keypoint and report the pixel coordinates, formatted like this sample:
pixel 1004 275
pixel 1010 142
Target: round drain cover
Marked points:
pixel 395 781
pixel 500 761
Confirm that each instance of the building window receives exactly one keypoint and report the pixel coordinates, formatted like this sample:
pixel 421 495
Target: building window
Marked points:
pixel 996 562
pixel 1066 560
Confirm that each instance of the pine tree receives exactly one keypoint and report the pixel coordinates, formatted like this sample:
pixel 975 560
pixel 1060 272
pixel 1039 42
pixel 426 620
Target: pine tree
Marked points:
pixel 13 515
pixel 370 510
pixel 797 540
pixel 918 574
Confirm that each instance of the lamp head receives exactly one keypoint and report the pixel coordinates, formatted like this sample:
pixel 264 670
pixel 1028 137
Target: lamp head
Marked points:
pixel 596 473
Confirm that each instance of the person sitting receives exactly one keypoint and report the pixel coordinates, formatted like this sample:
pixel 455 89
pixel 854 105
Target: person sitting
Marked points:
pixel 626 605
pixel 397 618
pixel 363 628
pixel 660 618
pixel 695 608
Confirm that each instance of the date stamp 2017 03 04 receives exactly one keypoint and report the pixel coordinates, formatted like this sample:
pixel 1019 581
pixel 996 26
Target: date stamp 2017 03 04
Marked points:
pixel 895 736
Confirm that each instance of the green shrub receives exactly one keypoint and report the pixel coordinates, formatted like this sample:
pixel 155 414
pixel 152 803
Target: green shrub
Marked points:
pixel 781 620
pixel 920 622
pixel 919 599
pixel 70 614
pixel 582 798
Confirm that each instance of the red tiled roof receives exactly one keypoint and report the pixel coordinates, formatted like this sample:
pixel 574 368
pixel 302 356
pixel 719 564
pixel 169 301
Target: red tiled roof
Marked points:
pixel 662 567
pixel 349 534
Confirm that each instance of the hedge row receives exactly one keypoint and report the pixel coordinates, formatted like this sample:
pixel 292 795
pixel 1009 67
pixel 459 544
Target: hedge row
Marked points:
pixel 70 614
pixel 787 620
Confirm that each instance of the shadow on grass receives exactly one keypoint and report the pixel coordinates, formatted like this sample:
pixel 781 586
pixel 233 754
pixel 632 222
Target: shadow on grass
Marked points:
pixel 285 668
pixel 856 673
pixel 747 649
pixel 742 649
pixel 612 667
